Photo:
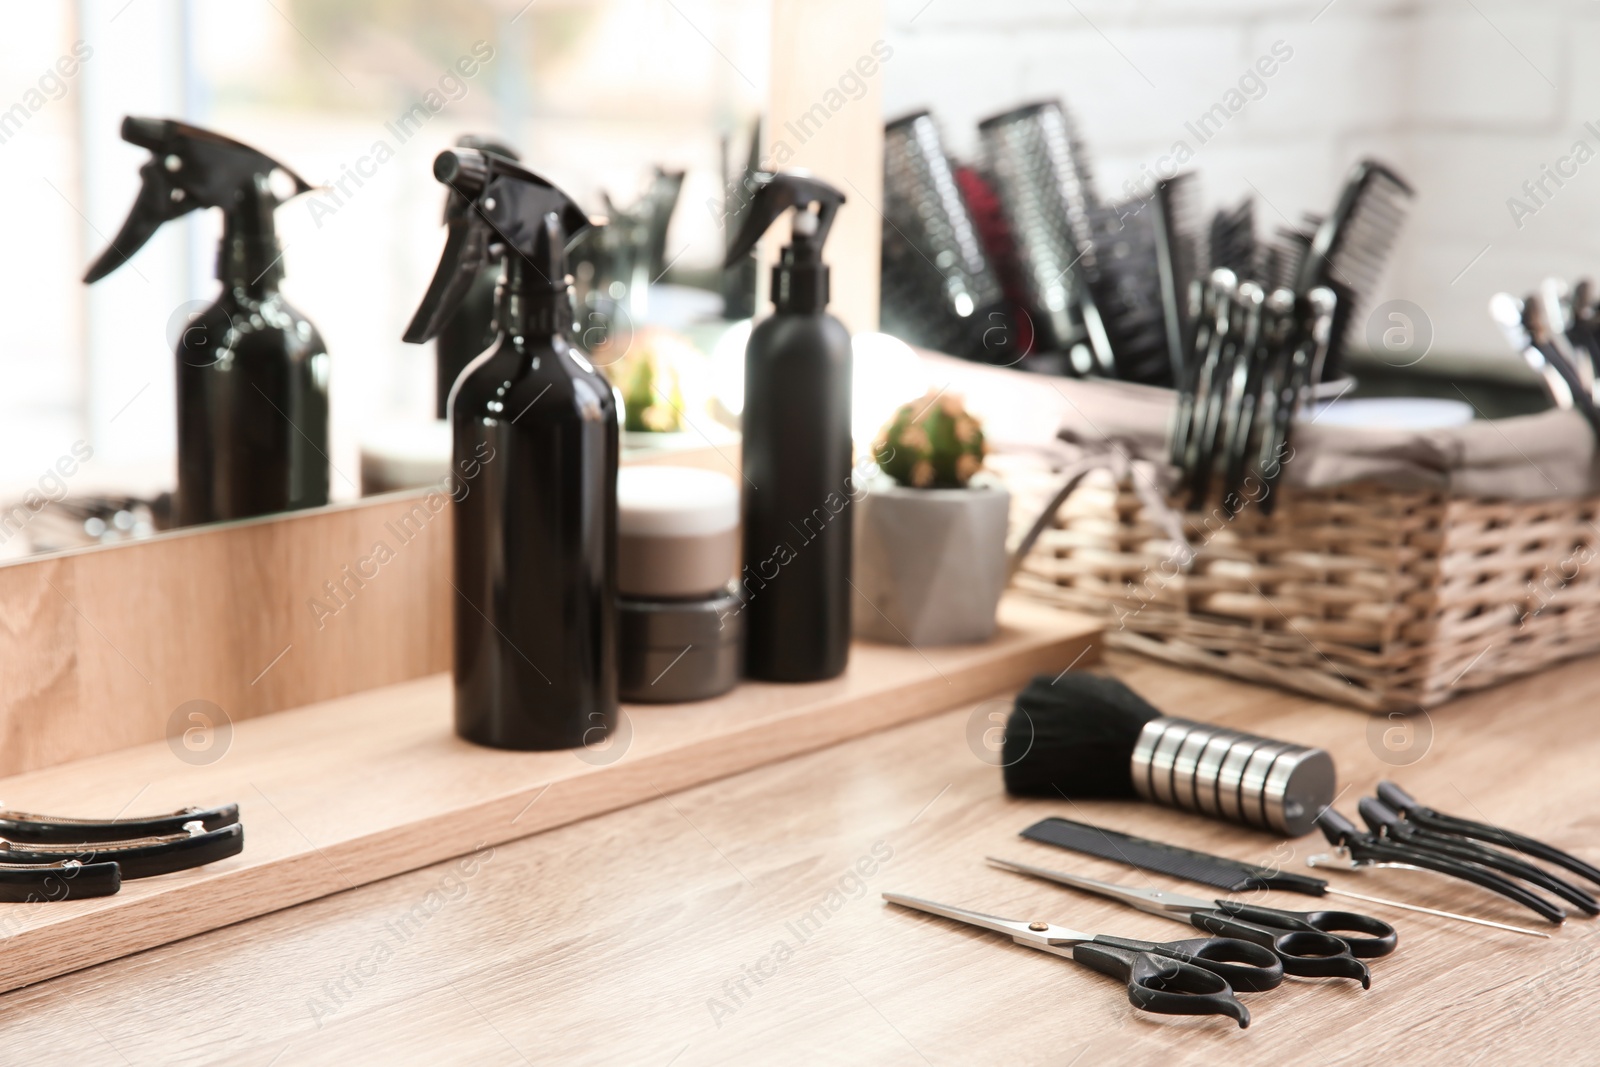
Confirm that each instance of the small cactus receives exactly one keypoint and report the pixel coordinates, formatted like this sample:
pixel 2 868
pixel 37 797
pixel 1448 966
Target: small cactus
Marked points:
pixel 649 378
pixel 932 443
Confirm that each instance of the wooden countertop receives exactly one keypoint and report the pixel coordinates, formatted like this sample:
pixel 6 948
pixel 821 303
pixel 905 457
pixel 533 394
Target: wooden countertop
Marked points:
pixel 739 922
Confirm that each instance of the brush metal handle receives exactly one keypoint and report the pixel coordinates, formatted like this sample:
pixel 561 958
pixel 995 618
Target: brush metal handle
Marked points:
pixel 1274 785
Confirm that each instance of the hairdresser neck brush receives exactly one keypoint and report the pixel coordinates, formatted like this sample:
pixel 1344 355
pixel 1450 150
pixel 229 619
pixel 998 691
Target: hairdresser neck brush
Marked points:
pixel 1083 736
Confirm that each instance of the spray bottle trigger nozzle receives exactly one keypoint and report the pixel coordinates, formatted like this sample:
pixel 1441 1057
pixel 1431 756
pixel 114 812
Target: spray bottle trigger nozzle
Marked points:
pixel 776 193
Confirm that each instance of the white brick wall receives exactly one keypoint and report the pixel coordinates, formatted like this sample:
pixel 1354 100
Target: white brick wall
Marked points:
pixel 1467 100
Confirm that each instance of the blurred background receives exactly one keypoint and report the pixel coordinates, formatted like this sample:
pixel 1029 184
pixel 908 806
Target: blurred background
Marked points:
pixel 1480 106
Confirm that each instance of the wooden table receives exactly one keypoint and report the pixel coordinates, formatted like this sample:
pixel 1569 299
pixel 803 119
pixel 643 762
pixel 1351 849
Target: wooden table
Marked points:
pixel 739 922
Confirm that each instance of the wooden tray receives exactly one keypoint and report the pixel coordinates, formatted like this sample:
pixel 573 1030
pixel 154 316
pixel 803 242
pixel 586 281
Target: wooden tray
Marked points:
pixel 352 790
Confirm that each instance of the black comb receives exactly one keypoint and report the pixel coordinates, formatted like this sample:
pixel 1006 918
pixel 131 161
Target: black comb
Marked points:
pixel 1353 244
pixel 1179 255
pixel 1219 872
pixel 1233 240
pixel 1127 291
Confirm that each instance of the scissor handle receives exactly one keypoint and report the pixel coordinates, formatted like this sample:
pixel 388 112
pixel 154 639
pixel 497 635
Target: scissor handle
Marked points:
pixel 1244 965
pixel 1163 986
pixel 1305 953
pixel 1379 937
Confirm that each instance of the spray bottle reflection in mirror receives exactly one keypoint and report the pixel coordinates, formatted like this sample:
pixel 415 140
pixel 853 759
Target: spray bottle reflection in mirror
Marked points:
pixel 252 371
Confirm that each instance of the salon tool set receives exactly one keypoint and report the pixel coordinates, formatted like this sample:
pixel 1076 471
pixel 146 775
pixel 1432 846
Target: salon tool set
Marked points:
pixel 1557 334
pixel 1080 735
pixel 1257 354
pixel 1119 289
pixel 1310 944
pixel 1250 948
pixel 44 857
pixel 1403 834
pixel 1220 872
pixel 1251 945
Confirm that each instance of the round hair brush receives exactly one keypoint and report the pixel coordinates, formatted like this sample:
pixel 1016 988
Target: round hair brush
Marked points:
pixel 1085 736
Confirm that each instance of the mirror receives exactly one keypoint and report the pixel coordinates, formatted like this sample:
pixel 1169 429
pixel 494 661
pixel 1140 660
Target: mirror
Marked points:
pixel 641 109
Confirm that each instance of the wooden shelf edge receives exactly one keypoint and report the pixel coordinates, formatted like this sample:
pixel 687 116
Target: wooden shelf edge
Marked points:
pixel 477 797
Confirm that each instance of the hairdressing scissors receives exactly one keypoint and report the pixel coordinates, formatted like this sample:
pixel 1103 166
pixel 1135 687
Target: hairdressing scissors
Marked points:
pixel 1304 940
pixel 1167 978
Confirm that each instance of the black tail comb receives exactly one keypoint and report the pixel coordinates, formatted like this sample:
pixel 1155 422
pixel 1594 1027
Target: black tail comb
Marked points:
pixel 1232 875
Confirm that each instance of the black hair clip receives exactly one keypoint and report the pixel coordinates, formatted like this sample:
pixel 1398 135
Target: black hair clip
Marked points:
pixel 18 826
pixel 58 879
pixel 48 857
pixel 1358 849
pixel 138 857
pixel 1438 822
pixel 1387 823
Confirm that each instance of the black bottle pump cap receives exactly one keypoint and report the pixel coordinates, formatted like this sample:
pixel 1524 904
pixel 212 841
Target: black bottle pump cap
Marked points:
pixel 456 206
pixel 511 211
pixel 800 278
pixel 193 168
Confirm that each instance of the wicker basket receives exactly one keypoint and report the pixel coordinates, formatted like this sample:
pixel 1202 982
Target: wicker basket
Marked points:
pixel 1383 598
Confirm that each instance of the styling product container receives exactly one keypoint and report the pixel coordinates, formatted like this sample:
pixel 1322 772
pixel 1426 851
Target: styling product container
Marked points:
pixel 678 551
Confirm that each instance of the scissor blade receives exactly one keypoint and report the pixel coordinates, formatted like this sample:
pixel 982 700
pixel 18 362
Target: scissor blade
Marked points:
pixel 1021 929
pixel 1155 901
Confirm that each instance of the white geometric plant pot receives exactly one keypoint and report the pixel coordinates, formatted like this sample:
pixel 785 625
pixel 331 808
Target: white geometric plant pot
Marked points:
pixel 930 564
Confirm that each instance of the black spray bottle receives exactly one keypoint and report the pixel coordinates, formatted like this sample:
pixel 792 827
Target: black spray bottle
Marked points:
pixel 252 371
pixel 796 424
pixel 471 330
pixel 535 443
